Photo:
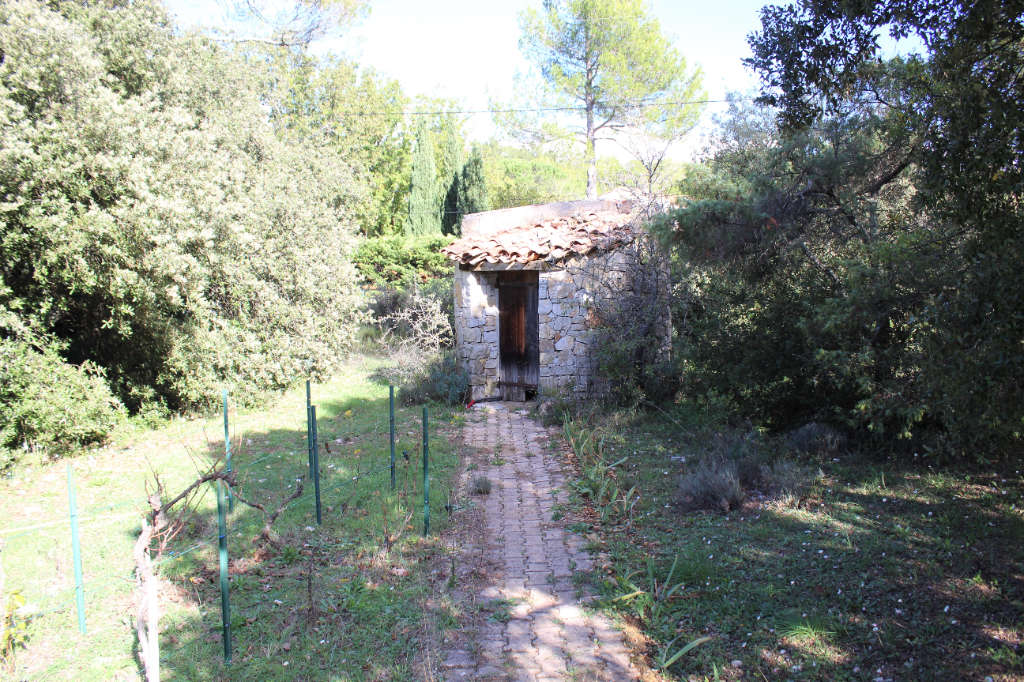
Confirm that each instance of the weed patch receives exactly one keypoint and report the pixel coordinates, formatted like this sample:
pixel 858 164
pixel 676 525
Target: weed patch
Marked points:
pixel 835 566
pixel 354 598
pixel 481 485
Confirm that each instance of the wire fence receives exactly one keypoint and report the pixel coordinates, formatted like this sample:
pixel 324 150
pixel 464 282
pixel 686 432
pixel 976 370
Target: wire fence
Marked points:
pixel 51 596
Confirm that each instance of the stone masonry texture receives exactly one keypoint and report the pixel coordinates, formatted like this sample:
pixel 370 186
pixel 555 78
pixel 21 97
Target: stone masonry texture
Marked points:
pixel 566 294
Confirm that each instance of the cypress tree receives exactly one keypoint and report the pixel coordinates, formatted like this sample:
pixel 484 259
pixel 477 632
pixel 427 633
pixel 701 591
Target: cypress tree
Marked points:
pixel 423 215
pixel 472 192
pixel 452 163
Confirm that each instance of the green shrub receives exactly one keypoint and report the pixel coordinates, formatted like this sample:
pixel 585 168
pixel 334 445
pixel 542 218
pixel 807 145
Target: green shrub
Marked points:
pixel 785 479
pixel 153 220
pixel 395 261
pixel 814 438
pixel 48 406
pixel 714 483
pixel 631 344
pixel 440 381
pixel 481 485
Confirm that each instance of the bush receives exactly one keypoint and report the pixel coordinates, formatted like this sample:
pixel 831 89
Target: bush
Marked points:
pixel 48 406
pixel 154 221
pixel 814 438
pixel 631 343
pixel 784 478
pixel 396 261
pixel 737 465
pixel 481 485
pixel 714 483
pixel 440 381
pixel 412 337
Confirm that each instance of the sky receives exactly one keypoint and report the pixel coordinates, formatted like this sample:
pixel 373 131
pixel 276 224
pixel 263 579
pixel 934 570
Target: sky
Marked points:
pixel 468 50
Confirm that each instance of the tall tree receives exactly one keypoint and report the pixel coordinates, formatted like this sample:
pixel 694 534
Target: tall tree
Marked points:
pixel 286 24
pixel 424 217
pixel 450 168
pixel 610 59
pixel 472 195
pixel 354 111
pixel 874 240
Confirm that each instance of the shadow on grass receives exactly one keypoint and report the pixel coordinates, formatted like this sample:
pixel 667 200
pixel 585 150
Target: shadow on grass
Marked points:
pixel 893 573
pixel 358 597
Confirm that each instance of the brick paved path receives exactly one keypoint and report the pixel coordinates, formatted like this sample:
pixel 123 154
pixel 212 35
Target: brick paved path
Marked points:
pixel 530 560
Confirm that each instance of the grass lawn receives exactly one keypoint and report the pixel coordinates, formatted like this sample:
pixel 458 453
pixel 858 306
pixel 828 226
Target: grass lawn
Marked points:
pixel 334 603
pixel 878 572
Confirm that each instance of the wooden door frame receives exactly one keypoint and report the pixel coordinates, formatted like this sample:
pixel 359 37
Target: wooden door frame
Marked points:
pixel 522 387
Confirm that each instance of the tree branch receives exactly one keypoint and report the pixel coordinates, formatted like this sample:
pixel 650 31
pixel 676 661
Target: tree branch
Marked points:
pixel 268 521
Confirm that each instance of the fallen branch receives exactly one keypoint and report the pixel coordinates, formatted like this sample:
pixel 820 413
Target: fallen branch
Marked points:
pixel 147 614
pixel 159 525
pixel 265 534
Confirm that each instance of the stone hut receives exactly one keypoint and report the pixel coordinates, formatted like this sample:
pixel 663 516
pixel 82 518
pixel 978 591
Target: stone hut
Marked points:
pixel 528 281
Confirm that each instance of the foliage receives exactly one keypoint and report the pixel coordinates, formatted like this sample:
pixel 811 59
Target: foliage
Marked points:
pixel 632 334
pixel 153 223
pixel 13 624
pixel 816 438
pixel 598 481
pixel 424 213
pixel 396 260
pixel 810 273
pixel 413 336
pixel 667 656
pixel 442 380
pixel 611 56
pixel 293 24
pixel 49 407
pixel 953 261
pixel 521 177
pixel 735 466
pixel 323 101
pixel 472 195
pixel 450 174
pixel 713 483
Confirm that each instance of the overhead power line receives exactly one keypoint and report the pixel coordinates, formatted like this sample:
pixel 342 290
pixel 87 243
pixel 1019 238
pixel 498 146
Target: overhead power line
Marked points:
pixel 638 105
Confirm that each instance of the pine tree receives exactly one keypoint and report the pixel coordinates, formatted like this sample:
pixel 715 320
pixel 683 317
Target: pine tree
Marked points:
pixel 424 215
pixel 472 192
pixel 611 56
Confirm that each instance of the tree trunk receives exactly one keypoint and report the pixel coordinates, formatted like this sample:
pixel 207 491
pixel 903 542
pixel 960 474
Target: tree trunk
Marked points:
pixel 591 155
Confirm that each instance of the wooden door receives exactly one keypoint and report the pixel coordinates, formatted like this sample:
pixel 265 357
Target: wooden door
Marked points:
pixel 519 347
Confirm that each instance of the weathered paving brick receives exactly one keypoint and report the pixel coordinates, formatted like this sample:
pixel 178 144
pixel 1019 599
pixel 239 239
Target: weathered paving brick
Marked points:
pixel 533 558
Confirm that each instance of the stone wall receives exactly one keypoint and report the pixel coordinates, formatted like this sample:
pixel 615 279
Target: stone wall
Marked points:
pixel 476 330
pixel 566 294
pixel 562 304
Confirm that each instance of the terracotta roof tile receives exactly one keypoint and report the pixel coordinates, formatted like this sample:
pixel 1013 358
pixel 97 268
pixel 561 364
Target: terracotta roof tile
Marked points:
pixel 551 240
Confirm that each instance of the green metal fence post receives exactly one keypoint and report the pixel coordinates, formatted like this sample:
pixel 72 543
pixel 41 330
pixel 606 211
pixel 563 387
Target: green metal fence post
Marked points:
pixel 76 553
pixel 316 463
pixel 227 450
pixel 309 437
pixel 391 420
pixel 225 605
pixel 309 429
pixel 426 475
